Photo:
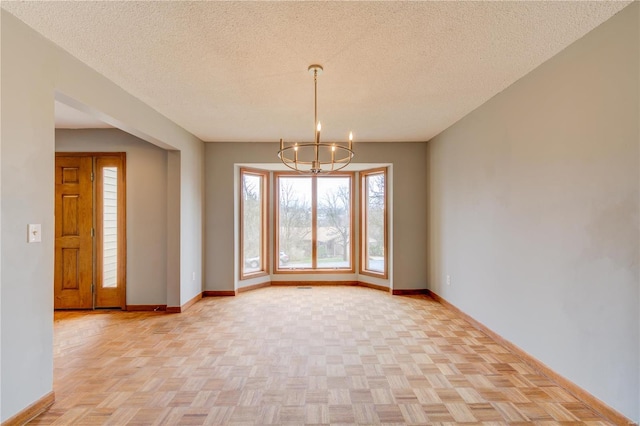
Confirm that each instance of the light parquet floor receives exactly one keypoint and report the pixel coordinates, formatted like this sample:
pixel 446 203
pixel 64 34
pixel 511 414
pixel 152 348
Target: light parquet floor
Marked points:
pixel 282 355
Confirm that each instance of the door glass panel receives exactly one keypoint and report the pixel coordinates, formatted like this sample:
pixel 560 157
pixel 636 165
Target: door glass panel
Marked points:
pixel 334 222
pixel 110 227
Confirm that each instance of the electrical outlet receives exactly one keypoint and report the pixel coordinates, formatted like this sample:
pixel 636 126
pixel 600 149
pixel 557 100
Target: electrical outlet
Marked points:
pixel 448 279
pixel 193 276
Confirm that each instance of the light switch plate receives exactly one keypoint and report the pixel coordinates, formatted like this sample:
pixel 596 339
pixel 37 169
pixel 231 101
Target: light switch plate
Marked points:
pixel 34 231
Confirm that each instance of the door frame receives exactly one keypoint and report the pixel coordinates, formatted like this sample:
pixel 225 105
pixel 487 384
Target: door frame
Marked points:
pixel 97 226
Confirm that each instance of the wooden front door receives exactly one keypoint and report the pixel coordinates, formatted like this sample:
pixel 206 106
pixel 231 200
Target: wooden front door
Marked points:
pixel 90 238
pixel 73 275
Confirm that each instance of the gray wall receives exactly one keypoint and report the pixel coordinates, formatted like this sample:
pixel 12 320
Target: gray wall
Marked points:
pixel 409 227
pixel 533 212
pixel 146 207
pixel 34 72
pixel 409 207
pixel 219 207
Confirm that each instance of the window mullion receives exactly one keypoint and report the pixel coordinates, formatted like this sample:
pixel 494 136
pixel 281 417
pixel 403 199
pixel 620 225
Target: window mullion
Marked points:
pixel 314 222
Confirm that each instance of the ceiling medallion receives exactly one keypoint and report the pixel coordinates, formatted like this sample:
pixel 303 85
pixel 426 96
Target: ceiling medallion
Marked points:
pixel 316 157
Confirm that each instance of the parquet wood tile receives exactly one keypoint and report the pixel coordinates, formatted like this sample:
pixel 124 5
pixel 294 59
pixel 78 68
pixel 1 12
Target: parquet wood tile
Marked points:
pixel 279 355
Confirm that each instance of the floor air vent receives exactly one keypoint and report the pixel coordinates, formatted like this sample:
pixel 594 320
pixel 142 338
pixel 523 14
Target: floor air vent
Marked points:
pixel 304 288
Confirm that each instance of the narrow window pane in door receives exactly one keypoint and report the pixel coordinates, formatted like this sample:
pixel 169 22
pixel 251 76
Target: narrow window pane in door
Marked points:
pixel 110 227
pixel 375 238
pixel 334 222
pixel 295 244
pixel 252 223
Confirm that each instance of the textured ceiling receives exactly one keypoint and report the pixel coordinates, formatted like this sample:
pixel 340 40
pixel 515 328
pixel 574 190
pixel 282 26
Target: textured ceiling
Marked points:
pixel 237 71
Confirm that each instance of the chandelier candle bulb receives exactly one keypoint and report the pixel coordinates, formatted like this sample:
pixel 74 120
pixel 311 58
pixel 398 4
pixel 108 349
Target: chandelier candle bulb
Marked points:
pixel 350 140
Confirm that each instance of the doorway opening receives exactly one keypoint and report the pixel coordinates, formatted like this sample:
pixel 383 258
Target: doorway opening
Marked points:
pixel 90 231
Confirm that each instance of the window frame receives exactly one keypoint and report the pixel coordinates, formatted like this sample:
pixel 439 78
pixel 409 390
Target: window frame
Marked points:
pixel 363 223
pixel 264 221
pixel 314 224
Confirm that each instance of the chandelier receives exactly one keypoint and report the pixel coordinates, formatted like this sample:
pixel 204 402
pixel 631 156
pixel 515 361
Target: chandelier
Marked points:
pixel 316 157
